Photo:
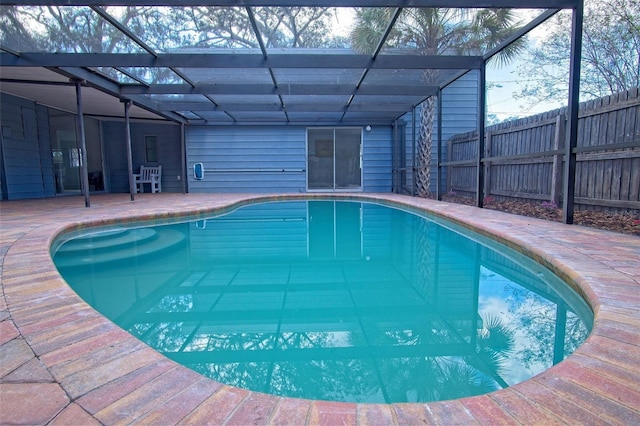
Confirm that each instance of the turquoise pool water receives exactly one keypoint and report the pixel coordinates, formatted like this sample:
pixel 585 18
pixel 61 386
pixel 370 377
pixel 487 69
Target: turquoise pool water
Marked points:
pixel 331 300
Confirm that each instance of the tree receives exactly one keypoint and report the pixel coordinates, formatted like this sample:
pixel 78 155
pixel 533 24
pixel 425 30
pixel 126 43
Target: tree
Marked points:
pixel 610 54
pixel 439 31
pixel 59 29
pixel 538 324
pixel 82 30
pixel 278 26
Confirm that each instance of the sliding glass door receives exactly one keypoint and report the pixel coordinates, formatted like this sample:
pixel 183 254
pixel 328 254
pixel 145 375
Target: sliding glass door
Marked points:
pixel 334 159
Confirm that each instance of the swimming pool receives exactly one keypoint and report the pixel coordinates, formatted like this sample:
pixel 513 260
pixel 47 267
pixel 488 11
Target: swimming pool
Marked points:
pixel 330 300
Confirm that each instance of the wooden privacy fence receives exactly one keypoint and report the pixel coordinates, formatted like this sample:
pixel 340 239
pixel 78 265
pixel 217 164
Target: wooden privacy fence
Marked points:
pixel 524 158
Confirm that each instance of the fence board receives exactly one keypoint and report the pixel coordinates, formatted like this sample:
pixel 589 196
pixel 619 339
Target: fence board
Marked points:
pixel 590 167
pixel 586 128
pixel 522 160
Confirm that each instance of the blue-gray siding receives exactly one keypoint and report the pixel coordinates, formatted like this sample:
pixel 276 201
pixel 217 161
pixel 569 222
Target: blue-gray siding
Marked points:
pixel 231 155
pixel 459 107
pixel 26 149
pixel 376 159
pixel 169 153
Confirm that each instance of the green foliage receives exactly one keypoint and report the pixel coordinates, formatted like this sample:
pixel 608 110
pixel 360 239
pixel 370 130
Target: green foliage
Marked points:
pixel 433 31
pixel 81 29
pixel 538 325
pixel 370 27
pixel 610 54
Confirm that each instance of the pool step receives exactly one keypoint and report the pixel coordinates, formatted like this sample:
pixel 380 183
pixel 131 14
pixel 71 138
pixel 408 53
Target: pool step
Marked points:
pixel 134 243
pixel 107 241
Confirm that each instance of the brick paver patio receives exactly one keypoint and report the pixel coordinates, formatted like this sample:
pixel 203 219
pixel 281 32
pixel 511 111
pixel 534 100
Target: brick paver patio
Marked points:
pixel 63 363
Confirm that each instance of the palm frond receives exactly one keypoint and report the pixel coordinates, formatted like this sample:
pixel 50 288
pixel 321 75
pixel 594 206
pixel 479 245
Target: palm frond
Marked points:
pixel 370 25
pixel 497 335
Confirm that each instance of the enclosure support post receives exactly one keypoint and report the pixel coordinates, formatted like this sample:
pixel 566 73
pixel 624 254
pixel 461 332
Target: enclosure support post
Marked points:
pixel 439 153
pixel 482 97
pixel 560 331
pixel 413 152
pixel 127 131
pixel 395 160
pixel 571 141
pixel 84 178
pixel 4 190
pixel 402 142
pixel 183 153
pixel 449 168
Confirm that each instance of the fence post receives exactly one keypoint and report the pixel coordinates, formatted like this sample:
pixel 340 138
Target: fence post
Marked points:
pixel 487 165
pixel 556 174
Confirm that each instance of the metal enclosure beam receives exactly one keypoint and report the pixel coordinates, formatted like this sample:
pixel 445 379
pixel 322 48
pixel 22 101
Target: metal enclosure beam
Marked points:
pixel 439 153
pixel 413 152
pixel 395 158
pixel 375 54
pixel 283 90
pixel 522 32
pixel 183 157
pixel 270 107
pixel 482 108
pixel 110 88
pixel 241 60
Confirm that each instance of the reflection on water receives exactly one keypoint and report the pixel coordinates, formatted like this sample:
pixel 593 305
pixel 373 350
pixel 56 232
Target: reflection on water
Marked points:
pixel 330 300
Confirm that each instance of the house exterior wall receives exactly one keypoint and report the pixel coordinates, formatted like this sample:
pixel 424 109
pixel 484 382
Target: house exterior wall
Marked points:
pixel 459 114
pixel 377 159
pixel 232 155
pixel 169 153
pixel 27 164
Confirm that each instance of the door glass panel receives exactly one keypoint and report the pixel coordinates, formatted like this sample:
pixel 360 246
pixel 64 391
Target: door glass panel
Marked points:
pixel 320 158
pixel 67 154
pixel 94 154
pixel 64 151
pixel 347 164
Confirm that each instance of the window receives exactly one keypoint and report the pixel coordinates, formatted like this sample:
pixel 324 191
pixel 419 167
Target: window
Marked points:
pixel 58 156
pixel 151 148
pixel 75 157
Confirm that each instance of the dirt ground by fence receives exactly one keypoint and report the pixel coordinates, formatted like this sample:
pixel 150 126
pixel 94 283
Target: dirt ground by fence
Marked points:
pixel 624 222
